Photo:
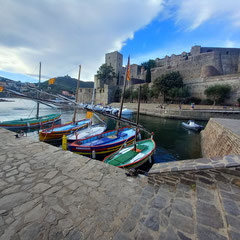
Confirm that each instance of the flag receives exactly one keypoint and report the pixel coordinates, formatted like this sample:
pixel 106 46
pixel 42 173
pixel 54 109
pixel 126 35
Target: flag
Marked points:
pixel 1 88
pixel 51 81
pixel 128 69
pixel 89 115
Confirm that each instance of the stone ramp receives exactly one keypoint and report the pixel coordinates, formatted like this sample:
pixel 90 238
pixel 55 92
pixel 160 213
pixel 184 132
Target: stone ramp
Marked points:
pixel 197 164
pixel 202 205
pixel 47 193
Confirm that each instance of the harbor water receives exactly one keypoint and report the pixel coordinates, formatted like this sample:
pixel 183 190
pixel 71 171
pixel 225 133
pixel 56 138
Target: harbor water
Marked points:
pixel 173 142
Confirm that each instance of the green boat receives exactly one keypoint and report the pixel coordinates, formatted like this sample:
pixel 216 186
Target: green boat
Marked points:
pixel 129 158
pixel 25 123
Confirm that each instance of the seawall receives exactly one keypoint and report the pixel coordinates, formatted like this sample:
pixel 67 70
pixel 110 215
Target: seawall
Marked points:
pixel 221 137
pixel 184 113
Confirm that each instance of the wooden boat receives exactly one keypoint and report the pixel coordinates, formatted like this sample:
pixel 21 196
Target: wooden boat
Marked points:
pixel 56 132
pixel 192 125
pixel 34 122
pixel 91 130
pixel 136 154
pixel 100 145
pixel 130 158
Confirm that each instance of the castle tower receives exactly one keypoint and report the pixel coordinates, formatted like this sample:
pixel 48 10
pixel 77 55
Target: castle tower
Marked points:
pixel 115 59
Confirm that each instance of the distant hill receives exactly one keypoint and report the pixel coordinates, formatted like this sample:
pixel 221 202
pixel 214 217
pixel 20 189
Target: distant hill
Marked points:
pixel 65 83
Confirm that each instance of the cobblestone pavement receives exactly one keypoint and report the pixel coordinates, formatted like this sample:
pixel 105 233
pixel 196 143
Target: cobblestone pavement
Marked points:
pixel 197 164
pixel 46 193
pixel 203 205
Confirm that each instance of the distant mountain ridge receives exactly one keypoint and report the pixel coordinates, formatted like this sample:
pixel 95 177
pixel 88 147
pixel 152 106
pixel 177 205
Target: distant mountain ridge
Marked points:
pixel 66 83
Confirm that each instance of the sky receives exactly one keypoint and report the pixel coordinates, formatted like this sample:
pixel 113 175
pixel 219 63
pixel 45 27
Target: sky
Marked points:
pixel 65 33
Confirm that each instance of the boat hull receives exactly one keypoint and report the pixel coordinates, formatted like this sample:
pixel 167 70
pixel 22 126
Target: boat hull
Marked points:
pixel 31 122
pixel 128 158
pixel 58 131
pixel 100 151
pixel 87 132
pixel 196 128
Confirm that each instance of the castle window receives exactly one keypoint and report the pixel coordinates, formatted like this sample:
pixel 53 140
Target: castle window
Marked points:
pixel 209 50
pixel 227 52
pixel 80 90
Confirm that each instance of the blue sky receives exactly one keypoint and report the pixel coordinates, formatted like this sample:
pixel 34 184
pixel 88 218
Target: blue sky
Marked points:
pixel 34 31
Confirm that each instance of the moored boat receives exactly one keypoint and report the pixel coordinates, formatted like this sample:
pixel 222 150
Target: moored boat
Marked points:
pixel 192 125
pixel 87 132
pixel 100 145
pixel 34 122
pixel 56 132
pixel 129 157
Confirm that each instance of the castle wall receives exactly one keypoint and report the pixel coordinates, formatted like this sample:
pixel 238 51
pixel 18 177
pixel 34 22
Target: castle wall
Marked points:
pixel 198 85
pixel 222 60
pixel 85 95
pixel 115 59
pixel 105 95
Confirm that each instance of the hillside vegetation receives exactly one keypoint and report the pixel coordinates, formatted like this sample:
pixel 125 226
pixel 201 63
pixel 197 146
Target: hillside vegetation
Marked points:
pixel 65 83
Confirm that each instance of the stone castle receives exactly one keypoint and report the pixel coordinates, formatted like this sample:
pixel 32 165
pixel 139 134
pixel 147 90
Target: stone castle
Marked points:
pixel 200 68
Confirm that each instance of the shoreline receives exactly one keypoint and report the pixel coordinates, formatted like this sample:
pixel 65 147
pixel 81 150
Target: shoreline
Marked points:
pixel 172 111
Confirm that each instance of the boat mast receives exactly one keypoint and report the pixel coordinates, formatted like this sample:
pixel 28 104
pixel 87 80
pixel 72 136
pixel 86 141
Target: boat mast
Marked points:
pixel 93 95
pixel 39 90
pixel 76 98
pixel 137 121
pixel 123 93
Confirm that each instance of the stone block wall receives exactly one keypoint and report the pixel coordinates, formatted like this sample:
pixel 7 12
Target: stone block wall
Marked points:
pixel 85 95
pixel 221 137
pixel 197 86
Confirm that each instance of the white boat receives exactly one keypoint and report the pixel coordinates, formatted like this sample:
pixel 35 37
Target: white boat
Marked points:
pixel 126 111
pixel 192 125
pixel 87 132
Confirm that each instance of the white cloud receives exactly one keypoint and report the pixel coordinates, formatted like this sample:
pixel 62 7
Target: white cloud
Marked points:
pixel 65 33
pixel 192 13
pixel 230 44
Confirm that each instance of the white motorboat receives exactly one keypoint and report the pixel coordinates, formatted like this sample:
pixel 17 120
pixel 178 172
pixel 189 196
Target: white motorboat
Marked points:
pixel 126 111
pixel 192 125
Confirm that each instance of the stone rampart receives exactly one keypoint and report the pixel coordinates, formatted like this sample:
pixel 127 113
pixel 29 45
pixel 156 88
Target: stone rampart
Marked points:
pixel 221 137
pixel 85 95
pixel 198 85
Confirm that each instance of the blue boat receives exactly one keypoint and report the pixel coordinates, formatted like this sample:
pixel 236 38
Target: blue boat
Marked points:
pixel 101 145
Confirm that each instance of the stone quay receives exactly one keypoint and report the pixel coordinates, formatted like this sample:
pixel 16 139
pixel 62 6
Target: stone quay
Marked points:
pixel 48 193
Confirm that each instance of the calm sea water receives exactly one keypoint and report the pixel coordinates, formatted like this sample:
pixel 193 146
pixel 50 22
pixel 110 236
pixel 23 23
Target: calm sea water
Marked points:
pixel 173 142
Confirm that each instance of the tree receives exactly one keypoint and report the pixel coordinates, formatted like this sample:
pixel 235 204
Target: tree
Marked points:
pixel 238 100
pixel 149 64
pixel 218 93
pixel 106 73
pixel 145 92
pixel 166 82
pixel 148 76
pixel 128 93
pixel 179 94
